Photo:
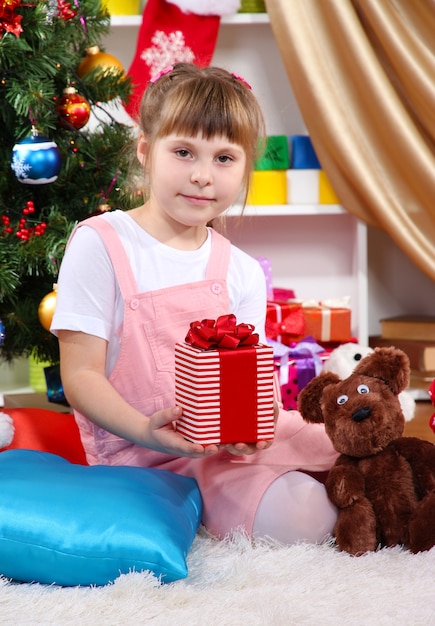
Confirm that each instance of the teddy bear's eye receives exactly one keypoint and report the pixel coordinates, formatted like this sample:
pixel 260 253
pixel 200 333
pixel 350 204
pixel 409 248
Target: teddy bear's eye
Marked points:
pixel 363 389
pixel 342 399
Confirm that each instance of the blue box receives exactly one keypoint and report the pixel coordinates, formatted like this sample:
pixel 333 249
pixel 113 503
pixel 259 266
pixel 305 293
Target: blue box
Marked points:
pixel 302 153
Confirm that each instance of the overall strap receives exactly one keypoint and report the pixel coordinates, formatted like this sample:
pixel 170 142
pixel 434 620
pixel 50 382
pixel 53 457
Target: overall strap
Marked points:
pixel 217 266
pixel 116 252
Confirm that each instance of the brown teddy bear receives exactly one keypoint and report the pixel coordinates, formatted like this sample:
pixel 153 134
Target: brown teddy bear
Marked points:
pixel 383 484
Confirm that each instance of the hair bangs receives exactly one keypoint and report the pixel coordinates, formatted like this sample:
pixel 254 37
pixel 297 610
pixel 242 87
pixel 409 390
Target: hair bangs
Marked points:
pixel 209 110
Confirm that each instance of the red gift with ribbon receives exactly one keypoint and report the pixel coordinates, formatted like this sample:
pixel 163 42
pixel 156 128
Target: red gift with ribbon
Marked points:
pixel 224 383
pixel 284 322
pixel 326 321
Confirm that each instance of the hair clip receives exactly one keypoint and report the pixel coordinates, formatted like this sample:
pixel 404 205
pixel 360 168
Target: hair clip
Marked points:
pixel 162 72
pixel 241 79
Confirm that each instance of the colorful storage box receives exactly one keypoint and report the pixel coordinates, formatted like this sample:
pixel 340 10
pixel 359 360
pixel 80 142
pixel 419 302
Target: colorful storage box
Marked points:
pixel 268 187
pixel 303 186
pixel 252 6
pixel 302 153
pixel 327 194
pixel 275 155
pixel 227 395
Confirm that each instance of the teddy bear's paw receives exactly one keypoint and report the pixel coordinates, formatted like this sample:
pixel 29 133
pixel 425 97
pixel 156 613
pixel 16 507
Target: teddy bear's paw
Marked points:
pixel 355 530
pixel 421 526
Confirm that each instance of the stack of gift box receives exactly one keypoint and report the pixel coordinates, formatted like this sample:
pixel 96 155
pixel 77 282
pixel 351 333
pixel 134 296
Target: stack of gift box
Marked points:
pixel 289 172
pixel 303 333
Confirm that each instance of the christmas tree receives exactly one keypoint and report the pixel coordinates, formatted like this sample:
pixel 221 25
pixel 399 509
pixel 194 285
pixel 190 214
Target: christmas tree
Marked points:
pixel 56 167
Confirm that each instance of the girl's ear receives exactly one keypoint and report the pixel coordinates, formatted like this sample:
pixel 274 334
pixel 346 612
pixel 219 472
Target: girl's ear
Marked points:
pixel 142 149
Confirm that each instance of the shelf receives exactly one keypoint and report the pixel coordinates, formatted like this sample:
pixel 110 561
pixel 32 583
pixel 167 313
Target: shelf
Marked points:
pixel 237 19
pixel 286 209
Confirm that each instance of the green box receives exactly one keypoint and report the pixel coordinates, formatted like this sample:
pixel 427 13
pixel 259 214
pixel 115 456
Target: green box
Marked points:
pixel 252 6
pixel 275 155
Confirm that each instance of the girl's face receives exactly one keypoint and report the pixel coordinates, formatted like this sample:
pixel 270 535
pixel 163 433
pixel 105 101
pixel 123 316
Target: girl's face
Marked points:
pixel 193 179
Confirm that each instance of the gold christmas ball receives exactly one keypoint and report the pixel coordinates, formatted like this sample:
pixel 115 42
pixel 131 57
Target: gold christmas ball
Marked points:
pixel 96 59
pixel 46 309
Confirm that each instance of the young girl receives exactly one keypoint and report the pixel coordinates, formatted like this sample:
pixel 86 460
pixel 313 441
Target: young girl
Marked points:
pixel 131 283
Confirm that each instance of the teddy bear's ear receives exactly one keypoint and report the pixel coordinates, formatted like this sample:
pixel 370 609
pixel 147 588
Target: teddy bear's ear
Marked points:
pixel 389 365
pixel 310 396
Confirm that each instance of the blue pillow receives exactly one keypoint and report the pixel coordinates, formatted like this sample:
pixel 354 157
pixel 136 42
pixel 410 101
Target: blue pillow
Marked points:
pixel 68 524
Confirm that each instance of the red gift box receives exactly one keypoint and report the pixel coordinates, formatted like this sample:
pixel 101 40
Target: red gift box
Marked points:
pixel 227 394
pixel 289 322
pixel 284 322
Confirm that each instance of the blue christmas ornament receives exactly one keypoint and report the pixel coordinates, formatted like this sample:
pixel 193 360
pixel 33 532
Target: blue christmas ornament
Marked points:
pixel 36 160
pixel 2 333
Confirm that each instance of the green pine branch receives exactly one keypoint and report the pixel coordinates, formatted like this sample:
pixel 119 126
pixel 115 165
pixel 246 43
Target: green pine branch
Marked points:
pixel 35 69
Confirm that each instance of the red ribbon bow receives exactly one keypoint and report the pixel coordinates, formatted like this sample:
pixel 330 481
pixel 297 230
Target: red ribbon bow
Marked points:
pixel 293 324
pixel 222 333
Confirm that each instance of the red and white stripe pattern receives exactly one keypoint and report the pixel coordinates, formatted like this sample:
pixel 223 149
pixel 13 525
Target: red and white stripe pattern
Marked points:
pixel 198 391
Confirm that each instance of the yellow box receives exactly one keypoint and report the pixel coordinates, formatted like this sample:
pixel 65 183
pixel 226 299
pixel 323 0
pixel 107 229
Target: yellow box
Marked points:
pixel 268 187
pixel 326 193
pixel 123 7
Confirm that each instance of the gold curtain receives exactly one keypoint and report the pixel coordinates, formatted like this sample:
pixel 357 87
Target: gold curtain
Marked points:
pixel 363 74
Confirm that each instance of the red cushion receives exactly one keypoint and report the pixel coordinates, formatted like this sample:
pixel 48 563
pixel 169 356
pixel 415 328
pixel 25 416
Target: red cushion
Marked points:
pixel 47 431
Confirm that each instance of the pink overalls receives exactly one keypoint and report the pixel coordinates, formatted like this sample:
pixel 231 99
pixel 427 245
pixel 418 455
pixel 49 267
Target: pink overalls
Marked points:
pixel 231 487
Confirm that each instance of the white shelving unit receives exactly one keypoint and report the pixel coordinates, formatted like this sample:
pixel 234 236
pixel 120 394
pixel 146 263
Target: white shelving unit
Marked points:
pixel 318 251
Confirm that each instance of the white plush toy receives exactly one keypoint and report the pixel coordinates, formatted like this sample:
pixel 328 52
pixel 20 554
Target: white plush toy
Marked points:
pixel 343 360
pixel 6 429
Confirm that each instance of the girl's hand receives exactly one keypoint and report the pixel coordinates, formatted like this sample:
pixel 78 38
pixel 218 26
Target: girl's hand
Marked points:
pixel 160 435
pixel 239 449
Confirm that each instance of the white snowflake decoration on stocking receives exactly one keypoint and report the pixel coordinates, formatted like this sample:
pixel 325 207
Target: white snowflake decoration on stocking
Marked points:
pixel 168 48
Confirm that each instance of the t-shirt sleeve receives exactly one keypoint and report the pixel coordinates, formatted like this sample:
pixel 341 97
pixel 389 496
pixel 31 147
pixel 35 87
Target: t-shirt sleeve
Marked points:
pixel 247 285
pixel 86 287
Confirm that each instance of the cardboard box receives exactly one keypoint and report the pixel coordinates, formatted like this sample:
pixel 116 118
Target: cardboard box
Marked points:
pixel 227 395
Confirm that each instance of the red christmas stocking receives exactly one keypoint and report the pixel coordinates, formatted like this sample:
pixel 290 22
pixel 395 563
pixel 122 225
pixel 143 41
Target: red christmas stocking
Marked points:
pixel 169 35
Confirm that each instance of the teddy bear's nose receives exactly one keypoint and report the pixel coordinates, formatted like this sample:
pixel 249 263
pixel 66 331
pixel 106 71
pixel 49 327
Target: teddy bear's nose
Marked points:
pixel 361 414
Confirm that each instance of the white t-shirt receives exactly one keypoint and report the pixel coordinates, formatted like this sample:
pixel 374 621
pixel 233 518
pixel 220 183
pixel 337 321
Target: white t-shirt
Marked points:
pixel 88 295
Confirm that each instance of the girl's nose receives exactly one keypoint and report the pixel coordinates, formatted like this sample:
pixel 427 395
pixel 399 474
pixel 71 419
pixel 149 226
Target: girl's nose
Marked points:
pixel 201 175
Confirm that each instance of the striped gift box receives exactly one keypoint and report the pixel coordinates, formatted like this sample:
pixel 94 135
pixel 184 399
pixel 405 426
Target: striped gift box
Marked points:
pixel 226 395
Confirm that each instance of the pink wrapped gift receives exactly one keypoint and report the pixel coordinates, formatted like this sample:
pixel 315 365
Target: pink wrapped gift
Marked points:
pixel 224 384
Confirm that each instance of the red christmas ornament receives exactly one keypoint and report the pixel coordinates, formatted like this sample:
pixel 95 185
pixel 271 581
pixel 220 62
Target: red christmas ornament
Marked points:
pixel 10 22
pixel 73 109
pixel 65 10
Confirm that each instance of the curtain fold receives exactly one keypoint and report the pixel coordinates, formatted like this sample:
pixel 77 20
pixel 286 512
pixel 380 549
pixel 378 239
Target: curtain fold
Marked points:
pixel 363 74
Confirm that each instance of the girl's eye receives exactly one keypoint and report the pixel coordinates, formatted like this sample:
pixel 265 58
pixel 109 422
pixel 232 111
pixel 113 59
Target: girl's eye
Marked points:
pixel 182 152
pixel 363 389
pixel 224 158
pixel 342 399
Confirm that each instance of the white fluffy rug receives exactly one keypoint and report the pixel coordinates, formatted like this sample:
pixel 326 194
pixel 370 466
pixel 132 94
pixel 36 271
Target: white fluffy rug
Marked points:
pixel 233 583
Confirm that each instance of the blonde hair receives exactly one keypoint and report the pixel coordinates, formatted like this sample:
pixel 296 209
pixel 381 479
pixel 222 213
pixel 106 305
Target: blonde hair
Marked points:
pixel 188 100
